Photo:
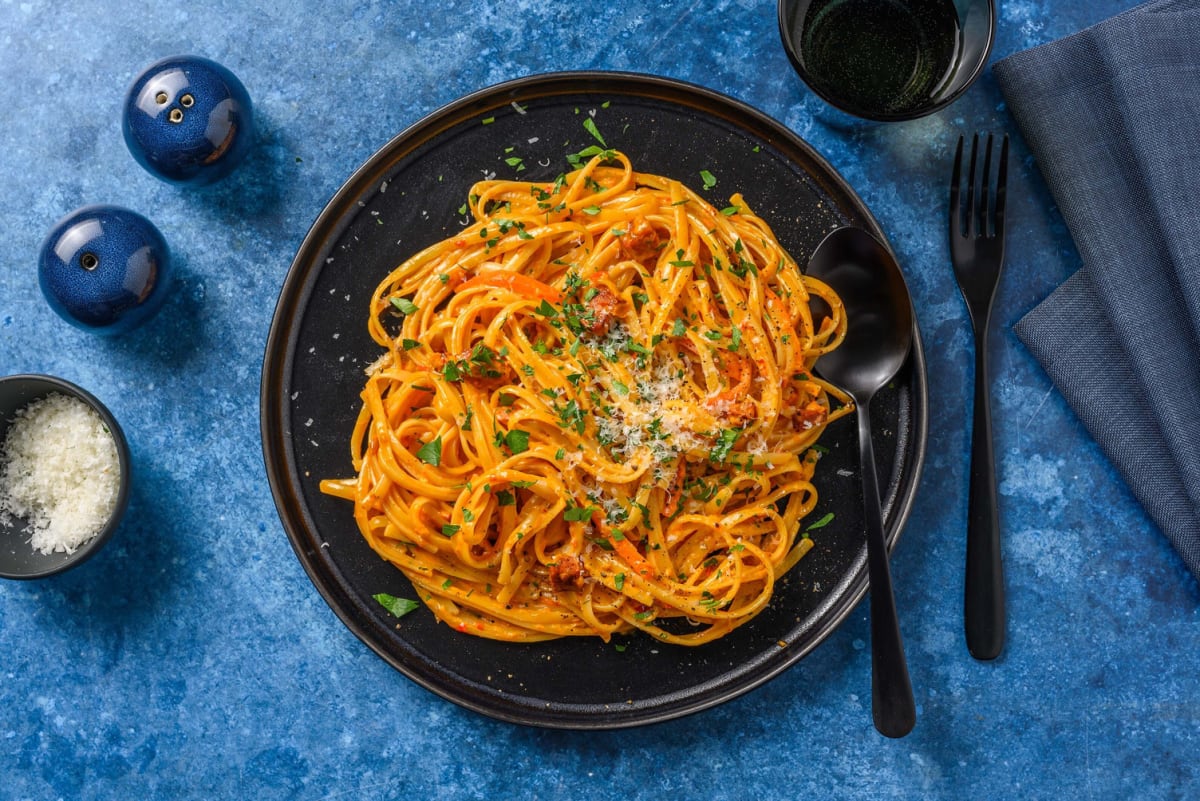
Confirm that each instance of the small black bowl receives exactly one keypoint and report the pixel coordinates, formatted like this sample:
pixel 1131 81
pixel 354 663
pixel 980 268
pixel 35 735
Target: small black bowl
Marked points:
pixel 18 559
pixel 888 60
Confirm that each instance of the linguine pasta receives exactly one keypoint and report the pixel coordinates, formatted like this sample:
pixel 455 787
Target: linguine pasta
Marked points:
pixel 595 411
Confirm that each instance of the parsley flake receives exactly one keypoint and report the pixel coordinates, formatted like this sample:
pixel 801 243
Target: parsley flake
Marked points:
pixel 405 306
pixel 397 606
pixel 824 521
pixel 431 452
pixel 578 514
pixel 517 441
pixel 589 125
pixel 725 441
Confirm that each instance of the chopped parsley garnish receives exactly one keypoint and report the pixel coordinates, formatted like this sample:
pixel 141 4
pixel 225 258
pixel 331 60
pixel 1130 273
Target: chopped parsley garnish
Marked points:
pixel 589 125
pixel 743 266
pixel 409 344
pixel 517 441
pixel 397 606
pixel 577 159
pixel 450 529
pixel 405 306
pixel 578 514
pixel 708 178
pixel 571 415
pixel 824 521
pixel 431 452
pixel 482 354
pixel 725 441
pixel 680 261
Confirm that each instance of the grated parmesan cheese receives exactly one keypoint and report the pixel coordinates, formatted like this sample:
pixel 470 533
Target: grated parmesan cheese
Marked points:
pixel 59 471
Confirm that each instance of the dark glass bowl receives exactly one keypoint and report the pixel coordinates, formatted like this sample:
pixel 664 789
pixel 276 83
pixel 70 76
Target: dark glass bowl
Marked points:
pixel 18 559
pixel 849 52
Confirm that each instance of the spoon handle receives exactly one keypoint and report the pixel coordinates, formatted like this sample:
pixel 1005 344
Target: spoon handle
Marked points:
pixel 892 704
pixel 983 598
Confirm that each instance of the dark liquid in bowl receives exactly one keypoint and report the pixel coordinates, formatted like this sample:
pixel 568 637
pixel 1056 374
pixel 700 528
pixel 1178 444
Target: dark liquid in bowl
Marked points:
pixel 878 56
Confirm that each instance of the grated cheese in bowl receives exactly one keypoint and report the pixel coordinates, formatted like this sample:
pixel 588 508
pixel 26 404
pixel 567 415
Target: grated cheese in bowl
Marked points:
pixel 60 472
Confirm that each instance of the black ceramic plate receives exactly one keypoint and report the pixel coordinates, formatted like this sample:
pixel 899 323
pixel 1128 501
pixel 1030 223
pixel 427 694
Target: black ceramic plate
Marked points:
pixel 407 196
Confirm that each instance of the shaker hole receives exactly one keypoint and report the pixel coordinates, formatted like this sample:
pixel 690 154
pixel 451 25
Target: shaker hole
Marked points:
pixel 175 116
pixel 187 101
pixel 89 261
pixel 161 98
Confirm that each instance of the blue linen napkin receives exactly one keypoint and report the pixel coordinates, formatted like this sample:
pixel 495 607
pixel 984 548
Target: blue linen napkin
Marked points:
pixel 1112 115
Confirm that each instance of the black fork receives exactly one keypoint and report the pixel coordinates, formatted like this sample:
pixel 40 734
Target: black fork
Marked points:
pixel 977 252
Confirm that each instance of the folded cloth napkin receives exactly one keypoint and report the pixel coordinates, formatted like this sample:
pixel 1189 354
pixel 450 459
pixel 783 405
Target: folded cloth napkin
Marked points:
pixel 1112 116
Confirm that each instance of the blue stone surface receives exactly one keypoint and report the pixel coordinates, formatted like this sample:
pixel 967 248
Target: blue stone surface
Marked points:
pixel 188 120
pixel 105 269
pixel 192 658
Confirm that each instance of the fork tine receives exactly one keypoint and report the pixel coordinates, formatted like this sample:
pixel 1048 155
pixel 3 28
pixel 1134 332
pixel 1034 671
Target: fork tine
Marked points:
pixel 972 187
pixel 956 221
pixel 985 182
pixel 1001 188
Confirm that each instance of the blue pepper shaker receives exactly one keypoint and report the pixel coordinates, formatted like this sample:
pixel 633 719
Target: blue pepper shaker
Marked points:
pixel 104 269
pixel 188 120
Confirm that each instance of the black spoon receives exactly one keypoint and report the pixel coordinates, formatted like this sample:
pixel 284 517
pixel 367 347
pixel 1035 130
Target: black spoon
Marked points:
pixel 864 274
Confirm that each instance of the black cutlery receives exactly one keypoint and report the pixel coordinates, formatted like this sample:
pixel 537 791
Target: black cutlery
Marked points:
pixel 977 252
pixel 878 337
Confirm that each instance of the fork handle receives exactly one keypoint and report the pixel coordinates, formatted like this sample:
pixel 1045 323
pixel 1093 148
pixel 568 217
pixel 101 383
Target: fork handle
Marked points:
pixel 983 603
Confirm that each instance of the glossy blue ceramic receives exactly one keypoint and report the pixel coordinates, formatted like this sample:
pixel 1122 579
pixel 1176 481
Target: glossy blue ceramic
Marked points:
pixel 188 120
pixel 104 269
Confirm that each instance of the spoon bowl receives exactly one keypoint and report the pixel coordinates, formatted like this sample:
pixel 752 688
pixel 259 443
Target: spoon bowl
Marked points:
pixel 879 334
pixel 866 277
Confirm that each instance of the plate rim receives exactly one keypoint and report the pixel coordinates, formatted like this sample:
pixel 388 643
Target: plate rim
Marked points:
pixel 279 356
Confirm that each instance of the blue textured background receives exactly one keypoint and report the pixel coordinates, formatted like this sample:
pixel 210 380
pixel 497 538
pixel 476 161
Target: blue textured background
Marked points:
pixel 193 658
